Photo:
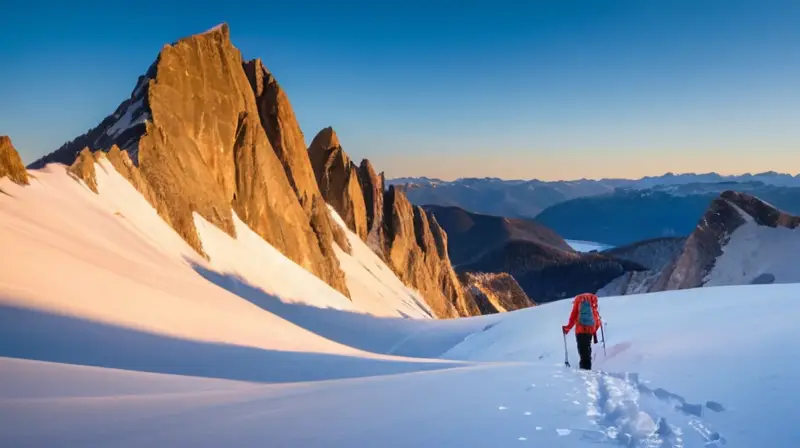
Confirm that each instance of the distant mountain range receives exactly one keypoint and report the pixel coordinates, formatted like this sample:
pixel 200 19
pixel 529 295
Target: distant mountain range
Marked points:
pixel 739 240
pixel 626 216
pixel 528 198
pixel 545 266
pixel 619 211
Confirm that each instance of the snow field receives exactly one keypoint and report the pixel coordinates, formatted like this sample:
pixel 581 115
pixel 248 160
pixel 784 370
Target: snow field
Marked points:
pixel 114 333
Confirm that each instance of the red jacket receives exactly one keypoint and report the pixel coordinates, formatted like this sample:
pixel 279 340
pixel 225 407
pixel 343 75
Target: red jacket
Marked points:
pixel 573 317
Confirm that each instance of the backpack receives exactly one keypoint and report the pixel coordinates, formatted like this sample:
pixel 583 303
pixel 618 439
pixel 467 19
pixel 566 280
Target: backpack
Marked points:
pixel 585 314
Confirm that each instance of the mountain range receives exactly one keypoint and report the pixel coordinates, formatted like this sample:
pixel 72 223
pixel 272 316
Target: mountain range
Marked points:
pixel 545 265
pixel 739 240
pixel 622 211
pixel 627 216
pixel 205 133
pixel 220 141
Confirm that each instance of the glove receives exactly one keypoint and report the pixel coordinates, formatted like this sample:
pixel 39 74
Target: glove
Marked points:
pixel 595 337
pixel 564 329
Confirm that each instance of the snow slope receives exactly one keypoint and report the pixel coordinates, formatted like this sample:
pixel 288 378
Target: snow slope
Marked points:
pixel 707 363
pixel 107 263
pixel 681 380
pixel 757 254
pixel 111 259
pixel 114 333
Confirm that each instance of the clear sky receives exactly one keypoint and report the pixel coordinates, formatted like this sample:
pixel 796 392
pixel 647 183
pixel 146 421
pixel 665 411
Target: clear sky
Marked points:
pixel 549 90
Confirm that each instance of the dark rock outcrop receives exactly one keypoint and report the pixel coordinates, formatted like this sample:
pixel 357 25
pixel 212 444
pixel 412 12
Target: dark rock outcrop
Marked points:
pixel 338 180
pixel 193 126
pixel 123 128
pixel 373 187
pixel 10 163
pixel 495 292
pixel 725 215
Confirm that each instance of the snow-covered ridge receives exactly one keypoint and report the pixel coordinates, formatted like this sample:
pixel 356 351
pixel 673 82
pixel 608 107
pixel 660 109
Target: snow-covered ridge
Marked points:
pixel 138 273
pixel 133 115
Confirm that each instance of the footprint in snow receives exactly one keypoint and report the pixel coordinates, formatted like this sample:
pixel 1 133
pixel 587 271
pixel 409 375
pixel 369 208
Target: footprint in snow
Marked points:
pixel 522 439
pixel 501 408
pixel 714 406
pixel 563 432
pixel 538 428
pixel 527 412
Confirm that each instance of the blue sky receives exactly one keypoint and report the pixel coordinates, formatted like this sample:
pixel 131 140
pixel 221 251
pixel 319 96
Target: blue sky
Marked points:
pixel 549 90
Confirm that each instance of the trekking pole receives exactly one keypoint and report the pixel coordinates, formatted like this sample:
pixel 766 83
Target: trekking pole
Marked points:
pixel 566 356
pixel 603 335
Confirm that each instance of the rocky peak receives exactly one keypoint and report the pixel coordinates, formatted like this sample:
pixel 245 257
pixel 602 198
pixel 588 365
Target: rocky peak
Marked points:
pixel 283 131
pixel 204 132
pixel 338 180
pixel 193 125
pixel 326 138
pixel 10 163
pixel 373 188
pixel 762 213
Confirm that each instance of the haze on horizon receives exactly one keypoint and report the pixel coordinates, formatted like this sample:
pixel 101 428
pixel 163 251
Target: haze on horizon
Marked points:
pixel 546 90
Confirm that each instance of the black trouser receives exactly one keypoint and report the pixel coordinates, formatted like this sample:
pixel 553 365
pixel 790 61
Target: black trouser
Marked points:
pixel 585 349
